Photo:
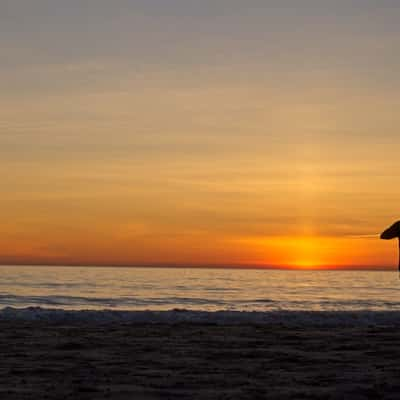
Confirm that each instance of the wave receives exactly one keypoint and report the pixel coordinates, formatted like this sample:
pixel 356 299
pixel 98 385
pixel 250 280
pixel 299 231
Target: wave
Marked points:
pixel 130 303
pixel 182 316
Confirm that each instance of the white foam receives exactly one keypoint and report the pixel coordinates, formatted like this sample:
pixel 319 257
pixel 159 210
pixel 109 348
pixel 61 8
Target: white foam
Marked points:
pixel 285 318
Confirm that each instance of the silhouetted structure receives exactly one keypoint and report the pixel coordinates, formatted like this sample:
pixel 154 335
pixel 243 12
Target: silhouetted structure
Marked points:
pixel 391 233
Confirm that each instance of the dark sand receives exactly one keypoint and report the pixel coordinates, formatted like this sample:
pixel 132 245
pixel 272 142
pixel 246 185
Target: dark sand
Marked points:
pixel 42 361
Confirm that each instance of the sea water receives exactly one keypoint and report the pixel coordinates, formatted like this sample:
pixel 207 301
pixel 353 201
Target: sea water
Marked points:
pixel 158 289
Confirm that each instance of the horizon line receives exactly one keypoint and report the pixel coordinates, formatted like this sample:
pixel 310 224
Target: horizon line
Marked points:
pixel 211 266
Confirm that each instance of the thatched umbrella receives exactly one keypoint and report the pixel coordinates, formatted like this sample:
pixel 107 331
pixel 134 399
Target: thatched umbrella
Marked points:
pixel 391 233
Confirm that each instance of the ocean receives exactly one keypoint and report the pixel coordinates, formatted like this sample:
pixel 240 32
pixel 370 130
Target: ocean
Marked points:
pixel 92 288
pixel 205 294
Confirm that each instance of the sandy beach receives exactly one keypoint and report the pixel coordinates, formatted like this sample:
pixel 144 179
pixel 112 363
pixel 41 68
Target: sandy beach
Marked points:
pixel 196 361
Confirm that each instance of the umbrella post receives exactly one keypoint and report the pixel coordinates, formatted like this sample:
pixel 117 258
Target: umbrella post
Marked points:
pixel 399 256
pixel 391 233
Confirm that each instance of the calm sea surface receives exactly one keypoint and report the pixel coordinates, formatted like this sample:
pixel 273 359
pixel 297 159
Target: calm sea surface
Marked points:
pixel 76 288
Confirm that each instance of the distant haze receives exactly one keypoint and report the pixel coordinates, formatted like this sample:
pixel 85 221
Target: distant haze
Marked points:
pixel 187 132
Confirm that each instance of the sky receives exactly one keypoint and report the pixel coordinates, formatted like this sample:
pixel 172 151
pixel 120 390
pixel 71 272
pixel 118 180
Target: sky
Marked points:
pixel 213 132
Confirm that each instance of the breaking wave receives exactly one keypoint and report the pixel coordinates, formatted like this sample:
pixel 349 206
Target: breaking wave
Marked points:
pixel 164 303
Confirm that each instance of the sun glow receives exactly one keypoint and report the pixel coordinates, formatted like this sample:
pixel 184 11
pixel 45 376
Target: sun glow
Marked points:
pixel 310 252
pixel 306 264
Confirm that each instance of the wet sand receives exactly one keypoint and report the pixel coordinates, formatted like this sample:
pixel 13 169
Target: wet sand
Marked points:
pixel 190 361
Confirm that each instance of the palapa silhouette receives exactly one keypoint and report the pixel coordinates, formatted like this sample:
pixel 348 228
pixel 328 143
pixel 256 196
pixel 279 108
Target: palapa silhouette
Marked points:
pixel 391 233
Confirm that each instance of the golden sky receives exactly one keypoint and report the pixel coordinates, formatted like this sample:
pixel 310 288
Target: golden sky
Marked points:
pixel 220 132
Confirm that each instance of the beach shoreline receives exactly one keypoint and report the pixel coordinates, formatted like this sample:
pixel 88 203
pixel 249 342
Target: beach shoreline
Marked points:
pixel 54 360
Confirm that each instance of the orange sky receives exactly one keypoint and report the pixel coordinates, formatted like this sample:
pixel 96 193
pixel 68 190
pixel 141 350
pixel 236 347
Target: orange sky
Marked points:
pixel 199 133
